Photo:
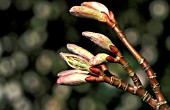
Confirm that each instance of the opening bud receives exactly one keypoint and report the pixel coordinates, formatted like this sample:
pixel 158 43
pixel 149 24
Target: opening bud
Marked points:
pixel 75 61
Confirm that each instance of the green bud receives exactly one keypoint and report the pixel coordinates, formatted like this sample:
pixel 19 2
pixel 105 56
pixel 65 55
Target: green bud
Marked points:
pixel 97 6
pixel 86 12
pixel 98 59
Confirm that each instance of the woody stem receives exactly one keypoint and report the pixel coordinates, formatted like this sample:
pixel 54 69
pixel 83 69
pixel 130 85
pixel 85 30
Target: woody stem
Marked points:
pixel 141 92
pixel 143 62
pixel 126 66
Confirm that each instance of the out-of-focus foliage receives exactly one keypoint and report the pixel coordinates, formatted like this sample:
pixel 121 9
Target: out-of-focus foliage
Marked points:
pixel 34 32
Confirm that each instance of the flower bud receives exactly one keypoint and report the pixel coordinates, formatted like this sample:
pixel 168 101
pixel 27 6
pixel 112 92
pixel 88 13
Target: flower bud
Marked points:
pixel 97 6
pixel 72 79
pixel 80 51
pixel 99 39
pixel 75 61
pixel 86 12
pixel 98 59
pixel 68 72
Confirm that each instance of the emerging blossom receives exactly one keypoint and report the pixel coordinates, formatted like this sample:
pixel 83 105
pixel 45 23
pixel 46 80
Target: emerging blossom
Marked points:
pixel 97 6
pixel 86 12
pixel 68 72
pixel 75 61
pixel 80 51
pixel 98 59
pixel 72 79
pixel 99 39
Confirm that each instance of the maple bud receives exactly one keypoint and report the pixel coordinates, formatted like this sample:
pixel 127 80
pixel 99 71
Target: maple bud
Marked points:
pixel 74 71
pixel 86 12
pixel 99 39
pixel 75 61
pixel 72 79
pixel 97 6
pixel 98 59
pixel 80 51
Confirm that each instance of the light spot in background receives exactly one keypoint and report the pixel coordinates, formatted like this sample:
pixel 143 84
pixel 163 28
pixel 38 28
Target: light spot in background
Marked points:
pixel 42 9
pixel 5 4
pixel 13 90
pixel 150 53
pixel 159 9
pixel 155 27
pixel 32 82
pixel 32 39
pixel 131 16
pixel 20 59
pixel 23 5
pixel 87 103
pixel 61 92
pixel 101 106
pixel 22 104
pixel 59 8
pixel 9 42
pixel 52 103
pixel 129 102
pixel 38 23
pixel 167 43
pixel 7 66
pixel 148 39
pixel 45 61
pixel 132 35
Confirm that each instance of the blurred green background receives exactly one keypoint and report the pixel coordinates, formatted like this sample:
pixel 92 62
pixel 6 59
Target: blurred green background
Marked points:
pixel 34 32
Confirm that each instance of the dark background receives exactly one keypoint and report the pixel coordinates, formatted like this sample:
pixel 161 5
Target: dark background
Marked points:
pixel 34 32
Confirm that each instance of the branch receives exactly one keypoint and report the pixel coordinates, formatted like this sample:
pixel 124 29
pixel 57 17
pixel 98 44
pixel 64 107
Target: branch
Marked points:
pixel 143 62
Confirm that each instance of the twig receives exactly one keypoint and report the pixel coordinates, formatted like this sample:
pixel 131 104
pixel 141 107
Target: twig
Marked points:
pixel 143 62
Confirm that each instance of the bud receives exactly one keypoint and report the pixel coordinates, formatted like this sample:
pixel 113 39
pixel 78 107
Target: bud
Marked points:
pixel 72 79
pixel 80 51
pixel 68 72
pixel 75 61
pixel 99 39
pixel 86 12
pixel 97 6
pixel 98 59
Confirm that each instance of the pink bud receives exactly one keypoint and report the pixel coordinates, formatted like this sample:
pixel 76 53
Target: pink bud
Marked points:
pixel 68 72
pixel 80 51
pixel 97 6
pixel 86 12
pixel 72 79
pixel 98 59
pixel 99 39
pixel 75 61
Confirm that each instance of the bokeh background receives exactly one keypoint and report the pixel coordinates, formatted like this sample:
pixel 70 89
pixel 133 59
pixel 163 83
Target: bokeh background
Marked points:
pixel 34 32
